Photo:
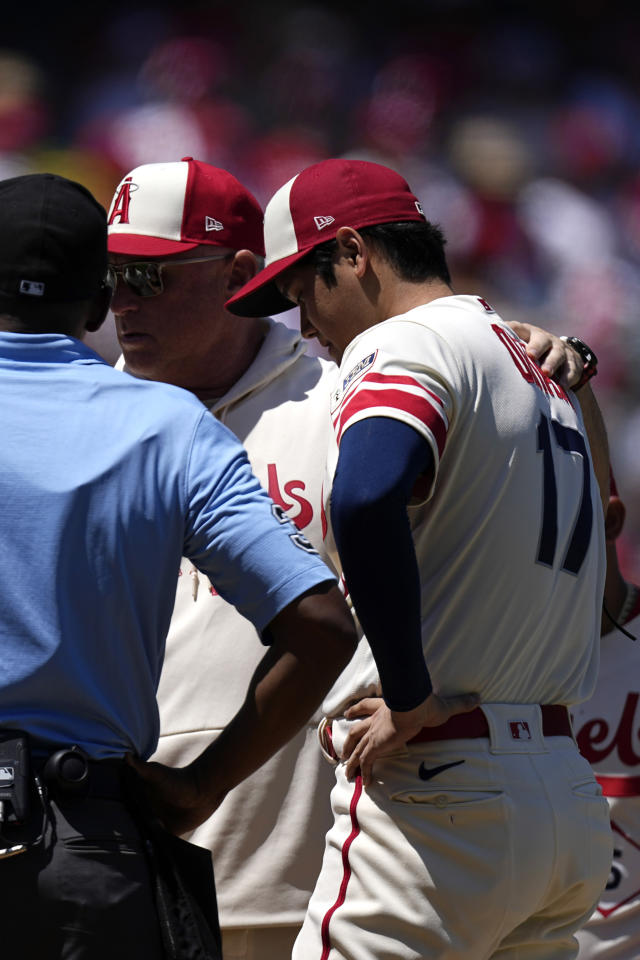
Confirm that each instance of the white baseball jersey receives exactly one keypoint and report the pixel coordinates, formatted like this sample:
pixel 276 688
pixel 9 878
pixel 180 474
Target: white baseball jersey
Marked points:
pixel 268 834
pixel 607 729
pixel 466 849
pixel 513 514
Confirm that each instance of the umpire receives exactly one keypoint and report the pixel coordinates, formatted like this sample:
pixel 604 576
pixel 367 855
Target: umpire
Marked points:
pixel 106 481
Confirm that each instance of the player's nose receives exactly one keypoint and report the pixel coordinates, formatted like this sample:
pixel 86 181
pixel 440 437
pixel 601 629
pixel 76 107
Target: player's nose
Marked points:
pixel 307 329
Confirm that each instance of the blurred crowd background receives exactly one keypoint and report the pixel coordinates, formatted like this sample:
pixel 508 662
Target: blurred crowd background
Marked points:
pixel 516 123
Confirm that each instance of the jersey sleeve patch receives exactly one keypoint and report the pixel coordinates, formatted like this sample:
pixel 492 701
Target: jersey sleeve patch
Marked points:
pixel 398 396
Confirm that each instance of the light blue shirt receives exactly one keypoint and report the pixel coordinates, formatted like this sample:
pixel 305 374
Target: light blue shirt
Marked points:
pixel 105 482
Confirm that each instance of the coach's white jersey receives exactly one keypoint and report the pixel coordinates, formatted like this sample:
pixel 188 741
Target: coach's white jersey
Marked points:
pixel 267 836
pixel 510 538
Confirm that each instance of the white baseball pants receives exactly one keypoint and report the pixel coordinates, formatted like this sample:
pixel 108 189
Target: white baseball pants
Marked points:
pixel 502 853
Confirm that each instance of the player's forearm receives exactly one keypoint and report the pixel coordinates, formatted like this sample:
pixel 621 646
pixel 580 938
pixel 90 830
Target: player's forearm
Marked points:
pixel 313 640
pixel 385 590
pixel 380 460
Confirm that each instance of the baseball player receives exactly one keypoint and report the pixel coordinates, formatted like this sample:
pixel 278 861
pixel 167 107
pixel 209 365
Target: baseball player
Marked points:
pixel 253 375
pixel 606 729
pixel 460 831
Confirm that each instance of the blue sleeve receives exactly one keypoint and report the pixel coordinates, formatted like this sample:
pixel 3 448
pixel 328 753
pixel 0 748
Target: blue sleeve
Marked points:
pixel 251 551
pixel 379 462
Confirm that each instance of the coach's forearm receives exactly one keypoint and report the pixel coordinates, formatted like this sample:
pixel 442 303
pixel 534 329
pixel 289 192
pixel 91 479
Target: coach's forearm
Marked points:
pixel 598 440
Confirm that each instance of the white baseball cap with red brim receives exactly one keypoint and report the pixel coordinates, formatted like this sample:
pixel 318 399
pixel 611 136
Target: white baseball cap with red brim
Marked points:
pixel 161 209
pixel 310 209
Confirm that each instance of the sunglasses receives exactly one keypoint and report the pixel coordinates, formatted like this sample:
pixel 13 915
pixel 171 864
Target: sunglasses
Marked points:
pixel 144 277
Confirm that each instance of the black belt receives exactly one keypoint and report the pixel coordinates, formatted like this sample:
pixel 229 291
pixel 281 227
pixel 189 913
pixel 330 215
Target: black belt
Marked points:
pixel 69 773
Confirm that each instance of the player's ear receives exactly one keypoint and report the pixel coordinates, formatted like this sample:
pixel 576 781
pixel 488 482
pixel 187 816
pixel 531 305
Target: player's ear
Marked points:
pixel 244 267
pixel 614 519
pixel 352 247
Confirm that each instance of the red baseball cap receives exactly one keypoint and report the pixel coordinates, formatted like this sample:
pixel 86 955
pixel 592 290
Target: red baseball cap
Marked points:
pixel 310 209
pixel 164 208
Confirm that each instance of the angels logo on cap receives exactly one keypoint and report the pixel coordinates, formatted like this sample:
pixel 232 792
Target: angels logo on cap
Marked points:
pixel 356 192
pixel 163 208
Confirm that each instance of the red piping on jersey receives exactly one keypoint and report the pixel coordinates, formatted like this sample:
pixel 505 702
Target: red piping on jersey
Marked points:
pixel 418 407
pixel 346 869
pixel 619 786
pixel 323 515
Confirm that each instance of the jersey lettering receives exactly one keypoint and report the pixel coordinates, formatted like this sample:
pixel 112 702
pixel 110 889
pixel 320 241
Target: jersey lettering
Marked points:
pixel 526 366
pixel 595 732
pixel 571 441
pixel 304 515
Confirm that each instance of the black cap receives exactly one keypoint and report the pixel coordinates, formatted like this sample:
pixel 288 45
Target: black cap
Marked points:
pixel 53 240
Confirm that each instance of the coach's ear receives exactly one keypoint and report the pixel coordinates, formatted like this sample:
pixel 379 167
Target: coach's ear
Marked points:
pixel 244 267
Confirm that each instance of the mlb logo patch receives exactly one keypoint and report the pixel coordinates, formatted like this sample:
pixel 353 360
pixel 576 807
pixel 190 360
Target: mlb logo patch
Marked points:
pixel 357 370
pixel 519 730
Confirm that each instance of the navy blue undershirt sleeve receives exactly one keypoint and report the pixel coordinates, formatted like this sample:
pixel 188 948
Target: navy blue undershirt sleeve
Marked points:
pixel 379 462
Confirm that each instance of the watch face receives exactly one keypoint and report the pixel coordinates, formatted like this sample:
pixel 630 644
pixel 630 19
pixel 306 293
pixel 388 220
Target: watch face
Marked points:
pixel 585 352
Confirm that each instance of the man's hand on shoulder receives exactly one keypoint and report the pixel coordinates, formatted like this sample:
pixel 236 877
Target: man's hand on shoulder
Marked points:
pixel 555 357
pixel 383 731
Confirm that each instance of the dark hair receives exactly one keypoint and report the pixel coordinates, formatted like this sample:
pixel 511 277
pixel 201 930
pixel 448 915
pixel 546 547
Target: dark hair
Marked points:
pixel 415 250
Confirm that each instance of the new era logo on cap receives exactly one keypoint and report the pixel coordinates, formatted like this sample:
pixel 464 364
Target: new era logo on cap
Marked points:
pixel 322 222
pixel 164 208
pixel 358 193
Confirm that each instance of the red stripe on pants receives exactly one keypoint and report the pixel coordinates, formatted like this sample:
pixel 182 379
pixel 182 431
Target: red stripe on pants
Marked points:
pixel 346 869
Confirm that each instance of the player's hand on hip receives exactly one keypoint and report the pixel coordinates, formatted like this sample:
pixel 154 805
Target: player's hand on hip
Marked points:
pixel 384 731
pixel 556 358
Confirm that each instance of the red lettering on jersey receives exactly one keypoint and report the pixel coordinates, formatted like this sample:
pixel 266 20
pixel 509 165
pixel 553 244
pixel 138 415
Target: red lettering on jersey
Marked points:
pixel 121 203
pixel 343 583
pixel 596 731
pixel 305 514
pixel 323 516
pixel 486 305
pixel 526 366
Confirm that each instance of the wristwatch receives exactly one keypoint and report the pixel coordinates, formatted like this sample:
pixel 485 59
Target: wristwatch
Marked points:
pixel 588 357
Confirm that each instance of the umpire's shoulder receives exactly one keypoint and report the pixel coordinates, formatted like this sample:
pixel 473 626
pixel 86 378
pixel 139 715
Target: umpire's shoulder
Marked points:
pixel 158 399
